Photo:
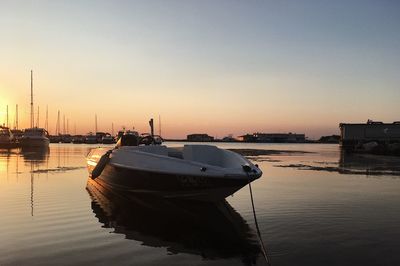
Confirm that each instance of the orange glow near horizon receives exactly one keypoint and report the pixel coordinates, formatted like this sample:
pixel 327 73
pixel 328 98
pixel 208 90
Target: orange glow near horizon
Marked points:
pixel 181 114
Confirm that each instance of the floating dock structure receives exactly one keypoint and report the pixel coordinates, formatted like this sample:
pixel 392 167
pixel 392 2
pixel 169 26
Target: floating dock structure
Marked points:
pixel 274 138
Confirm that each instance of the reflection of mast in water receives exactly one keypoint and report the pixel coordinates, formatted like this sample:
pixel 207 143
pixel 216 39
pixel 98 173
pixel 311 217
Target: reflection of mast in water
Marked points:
pixel 7 163
pixel 47 167
pixel 32 179
pixel 16 166
pixel 58 156
pixel 61 152
pixel 34 157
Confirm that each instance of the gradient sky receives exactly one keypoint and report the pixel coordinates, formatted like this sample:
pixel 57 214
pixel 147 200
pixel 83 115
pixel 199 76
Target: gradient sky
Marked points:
pixel 218 67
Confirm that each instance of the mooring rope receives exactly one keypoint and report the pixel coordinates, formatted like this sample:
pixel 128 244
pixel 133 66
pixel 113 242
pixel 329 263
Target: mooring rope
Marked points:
pixel 263 249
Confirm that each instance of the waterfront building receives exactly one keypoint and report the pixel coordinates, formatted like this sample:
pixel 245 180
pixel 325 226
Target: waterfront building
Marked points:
pixel 199 137
pixel 354 134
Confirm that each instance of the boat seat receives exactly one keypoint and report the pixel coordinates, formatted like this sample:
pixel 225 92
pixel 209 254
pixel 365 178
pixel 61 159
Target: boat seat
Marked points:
pixel 203 153
pixel 159 150
pixel 175 153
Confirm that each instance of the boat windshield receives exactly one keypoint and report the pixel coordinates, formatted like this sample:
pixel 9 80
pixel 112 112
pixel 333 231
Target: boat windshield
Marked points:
pixel 35 132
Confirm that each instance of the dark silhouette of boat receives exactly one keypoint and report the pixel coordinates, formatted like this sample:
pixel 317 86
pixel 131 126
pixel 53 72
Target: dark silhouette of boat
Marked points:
pixel 7 139
pixel 35 154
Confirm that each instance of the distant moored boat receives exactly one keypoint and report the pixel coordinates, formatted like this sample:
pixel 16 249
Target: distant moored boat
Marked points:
pixel 90 139
pixel 35 137
pixel 7 139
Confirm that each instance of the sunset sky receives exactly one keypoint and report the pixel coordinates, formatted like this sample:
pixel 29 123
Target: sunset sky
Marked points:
pixel 216 67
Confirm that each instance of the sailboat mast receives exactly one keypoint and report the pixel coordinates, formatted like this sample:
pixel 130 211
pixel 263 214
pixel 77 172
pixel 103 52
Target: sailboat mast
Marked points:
pixel 7 117
pixel 159 125
pixel 58 123
pixel 32 119
pixel 37 117
pixel 16 116
pixel 46 124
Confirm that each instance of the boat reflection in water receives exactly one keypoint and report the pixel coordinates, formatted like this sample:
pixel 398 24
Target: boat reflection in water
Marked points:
pixel 368 164
pixel 35 154
pixel 210 230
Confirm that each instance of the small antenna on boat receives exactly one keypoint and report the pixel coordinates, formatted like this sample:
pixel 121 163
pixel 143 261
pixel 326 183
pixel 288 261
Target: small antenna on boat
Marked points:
pixel 151 123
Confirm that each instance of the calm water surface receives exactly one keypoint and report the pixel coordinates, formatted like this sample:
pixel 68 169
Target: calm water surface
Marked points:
pixel 316 208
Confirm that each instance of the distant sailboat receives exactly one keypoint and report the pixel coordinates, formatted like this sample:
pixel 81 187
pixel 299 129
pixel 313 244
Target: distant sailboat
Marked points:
pixel 34 136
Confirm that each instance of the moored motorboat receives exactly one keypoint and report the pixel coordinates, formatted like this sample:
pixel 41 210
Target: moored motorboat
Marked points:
pixel 66 138
pixel 17 133
pixel 7 139
pixel 192 172
pixel 90 139
pixel 108 139
pixel 55 138
pixel 35 137
pixel 78 139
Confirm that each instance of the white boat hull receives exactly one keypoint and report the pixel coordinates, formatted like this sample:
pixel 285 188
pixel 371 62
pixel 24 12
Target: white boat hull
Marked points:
pixel 136 172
